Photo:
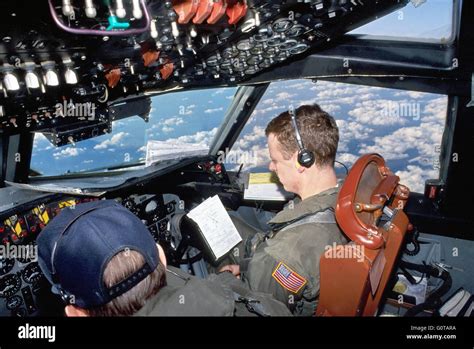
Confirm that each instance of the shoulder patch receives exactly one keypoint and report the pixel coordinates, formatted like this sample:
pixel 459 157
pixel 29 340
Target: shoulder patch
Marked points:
pixel 288 279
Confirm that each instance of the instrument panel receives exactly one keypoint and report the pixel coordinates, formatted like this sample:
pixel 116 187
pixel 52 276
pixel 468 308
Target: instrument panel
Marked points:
pixel 65 63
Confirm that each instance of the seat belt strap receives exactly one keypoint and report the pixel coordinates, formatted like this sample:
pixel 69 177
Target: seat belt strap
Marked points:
pixel 325 216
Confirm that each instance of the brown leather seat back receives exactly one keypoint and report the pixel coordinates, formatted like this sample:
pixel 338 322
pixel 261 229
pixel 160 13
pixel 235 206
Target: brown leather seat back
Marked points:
pixel 354 276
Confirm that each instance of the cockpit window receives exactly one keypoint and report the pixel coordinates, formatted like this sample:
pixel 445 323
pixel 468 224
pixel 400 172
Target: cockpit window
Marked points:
pixel 405 127
pixel 420 20
pixel 178 121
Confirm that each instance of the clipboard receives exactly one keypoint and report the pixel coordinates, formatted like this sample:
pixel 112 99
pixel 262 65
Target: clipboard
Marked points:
pixel 217 229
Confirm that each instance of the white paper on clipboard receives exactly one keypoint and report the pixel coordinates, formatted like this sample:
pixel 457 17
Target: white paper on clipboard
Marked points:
pixel 216 226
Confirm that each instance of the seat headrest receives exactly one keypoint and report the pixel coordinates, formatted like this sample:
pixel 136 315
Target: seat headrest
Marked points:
pixel 368 188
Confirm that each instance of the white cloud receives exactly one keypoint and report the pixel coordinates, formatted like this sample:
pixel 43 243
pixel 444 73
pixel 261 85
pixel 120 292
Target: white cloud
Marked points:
pixel 166 124
pixel 68 152
pixel 414 177
pixel 202 138
pixel 254 156
pixel 344 100
pixel 172 121
pixel 215 110
pixel 114 140
pixel 378 112
pixel 330 108
pixel 306 102
pixel 347 159
pixel 284 96
pixel 436 110
pixel 117 123
pixel 271 110
pixel 424 138
pixel 41 143
pixel 411 94
pixel 186 112
pixel 328 90
pixel 250 138
pixel 267 101
pixel 351 130
pixel 39 138
pixel 301 85
pixel 366 96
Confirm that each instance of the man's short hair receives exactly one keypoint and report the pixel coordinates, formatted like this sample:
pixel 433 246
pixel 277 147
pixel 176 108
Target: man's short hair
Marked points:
pixel 318 129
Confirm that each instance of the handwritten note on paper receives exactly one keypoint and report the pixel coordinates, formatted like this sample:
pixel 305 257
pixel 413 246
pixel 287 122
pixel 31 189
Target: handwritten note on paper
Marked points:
pixel 216 226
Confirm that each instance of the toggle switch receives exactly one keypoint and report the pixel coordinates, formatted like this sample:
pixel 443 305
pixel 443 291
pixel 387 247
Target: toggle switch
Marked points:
pixel 120 10
pixel 137 11
pixel 68 10
pixel 70 76
pixel 174 29
pixel 91 11
pixel 32 80
pixel 11 82
pixel 192 31
pixel 51 78
pixel 13 122
pixel 153 30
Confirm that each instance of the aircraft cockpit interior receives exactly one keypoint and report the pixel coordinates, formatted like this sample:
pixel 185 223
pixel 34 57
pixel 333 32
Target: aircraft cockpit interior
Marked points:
pixel 162 106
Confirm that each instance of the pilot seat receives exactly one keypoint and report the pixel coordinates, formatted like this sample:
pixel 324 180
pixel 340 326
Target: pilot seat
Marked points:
pixel 369 211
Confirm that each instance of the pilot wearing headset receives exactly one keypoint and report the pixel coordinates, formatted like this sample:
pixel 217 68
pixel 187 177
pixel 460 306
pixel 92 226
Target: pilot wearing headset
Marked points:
pixel 285 260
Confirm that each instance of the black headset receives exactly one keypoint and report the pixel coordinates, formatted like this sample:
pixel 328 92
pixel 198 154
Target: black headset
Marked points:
pixel 305 157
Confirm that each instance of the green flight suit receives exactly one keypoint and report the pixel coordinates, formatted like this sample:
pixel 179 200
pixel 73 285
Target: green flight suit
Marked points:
pixel 219 295
pixel 286 264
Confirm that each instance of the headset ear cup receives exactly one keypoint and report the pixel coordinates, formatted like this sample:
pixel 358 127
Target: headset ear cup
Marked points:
pixel 305 158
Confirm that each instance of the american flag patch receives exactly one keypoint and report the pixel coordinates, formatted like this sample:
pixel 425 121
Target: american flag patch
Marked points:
pixel 288 278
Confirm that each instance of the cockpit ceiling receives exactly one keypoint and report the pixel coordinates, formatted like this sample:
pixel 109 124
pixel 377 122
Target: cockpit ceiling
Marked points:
pixel 62 67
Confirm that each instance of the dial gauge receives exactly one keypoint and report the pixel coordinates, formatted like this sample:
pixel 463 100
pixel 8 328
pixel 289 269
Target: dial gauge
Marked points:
pixel 9 285
pixel 32 273
pixel 13 302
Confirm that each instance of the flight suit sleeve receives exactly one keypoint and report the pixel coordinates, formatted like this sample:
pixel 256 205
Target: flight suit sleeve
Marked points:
pixel 277 277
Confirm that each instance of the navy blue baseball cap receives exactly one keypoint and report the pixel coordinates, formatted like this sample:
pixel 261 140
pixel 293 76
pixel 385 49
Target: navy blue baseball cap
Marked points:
pixel 75 247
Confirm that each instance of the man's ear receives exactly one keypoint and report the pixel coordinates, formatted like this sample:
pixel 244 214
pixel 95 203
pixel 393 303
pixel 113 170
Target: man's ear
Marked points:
pixel 73 311
pixel 300 168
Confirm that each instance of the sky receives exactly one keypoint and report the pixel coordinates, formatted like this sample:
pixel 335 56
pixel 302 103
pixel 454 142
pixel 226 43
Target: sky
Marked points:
pixel 430 20
pixel 405 127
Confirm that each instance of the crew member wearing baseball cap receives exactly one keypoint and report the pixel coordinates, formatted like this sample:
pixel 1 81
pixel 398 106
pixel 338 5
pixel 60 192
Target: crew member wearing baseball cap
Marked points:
pixel 102 261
